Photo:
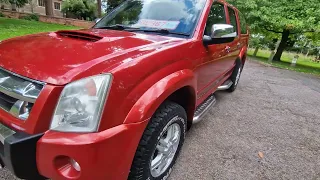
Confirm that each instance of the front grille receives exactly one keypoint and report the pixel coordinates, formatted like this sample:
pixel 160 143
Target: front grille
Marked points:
pixel 18 94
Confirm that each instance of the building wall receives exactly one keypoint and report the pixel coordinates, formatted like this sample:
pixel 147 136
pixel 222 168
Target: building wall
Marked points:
pixel 36 8
pixel 43 18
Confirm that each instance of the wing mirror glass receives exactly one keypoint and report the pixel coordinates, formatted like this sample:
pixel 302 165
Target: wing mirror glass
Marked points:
pixel 220 33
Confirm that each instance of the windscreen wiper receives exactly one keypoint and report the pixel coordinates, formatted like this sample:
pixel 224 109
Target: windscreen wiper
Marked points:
pixel 117 27
pixel 130 28
pixel 161 31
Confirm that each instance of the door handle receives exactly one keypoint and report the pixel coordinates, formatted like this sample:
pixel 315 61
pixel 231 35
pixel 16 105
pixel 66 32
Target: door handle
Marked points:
pixel 228 49
pixel 238 45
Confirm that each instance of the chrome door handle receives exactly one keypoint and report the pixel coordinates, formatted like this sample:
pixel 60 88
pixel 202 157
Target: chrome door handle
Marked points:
pixel 238 45
pixel 228 49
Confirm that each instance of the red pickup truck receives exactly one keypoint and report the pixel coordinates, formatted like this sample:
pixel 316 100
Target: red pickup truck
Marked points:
pixel 115 101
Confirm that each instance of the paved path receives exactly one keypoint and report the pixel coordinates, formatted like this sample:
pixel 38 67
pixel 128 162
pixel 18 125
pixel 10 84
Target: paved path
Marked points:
pixel 273 111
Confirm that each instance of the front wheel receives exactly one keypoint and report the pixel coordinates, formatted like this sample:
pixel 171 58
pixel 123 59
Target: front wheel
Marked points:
pixel 160 144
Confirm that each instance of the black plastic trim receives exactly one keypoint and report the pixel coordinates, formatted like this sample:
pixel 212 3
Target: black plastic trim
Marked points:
pixel 18 153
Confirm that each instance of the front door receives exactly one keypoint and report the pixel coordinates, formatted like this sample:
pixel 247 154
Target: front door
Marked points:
pixel 217 59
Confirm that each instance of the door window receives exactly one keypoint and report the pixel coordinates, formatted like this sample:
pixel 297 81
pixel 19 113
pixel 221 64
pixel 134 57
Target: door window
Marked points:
pixel 216 16
pixel 233 19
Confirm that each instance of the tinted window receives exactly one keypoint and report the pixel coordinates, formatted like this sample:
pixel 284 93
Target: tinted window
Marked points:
pixel 233 19
pixel 179 16
pixel 216 16
pixel 243 24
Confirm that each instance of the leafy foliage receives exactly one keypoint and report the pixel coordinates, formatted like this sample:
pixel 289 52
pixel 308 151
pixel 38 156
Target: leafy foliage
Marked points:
pixel 286 17
pixel 81 9
pixel 113 3
pixel 1 15
pixel 260 41
pixel 31 17
pixel 277 15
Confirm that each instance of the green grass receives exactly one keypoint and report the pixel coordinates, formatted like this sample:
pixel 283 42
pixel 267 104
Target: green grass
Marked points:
pixel 17 27
pixel 304 64
pixel 287 57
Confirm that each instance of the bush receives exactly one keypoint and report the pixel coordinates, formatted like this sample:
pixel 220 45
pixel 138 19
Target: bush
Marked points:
pixel 31 17
pixel 1 15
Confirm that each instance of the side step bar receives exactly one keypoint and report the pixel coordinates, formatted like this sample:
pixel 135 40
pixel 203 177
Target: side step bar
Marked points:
pixel 203 108
pixel 226 85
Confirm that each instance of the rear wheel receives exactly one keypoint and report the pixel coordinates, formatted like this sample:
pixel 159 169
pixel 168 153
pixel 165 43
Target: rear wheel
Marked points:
pixel 160 144
pixel 235 77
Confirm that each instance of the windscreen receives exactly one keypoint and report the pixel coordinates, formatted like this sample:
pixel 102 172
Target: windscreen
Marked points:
pixel 179 16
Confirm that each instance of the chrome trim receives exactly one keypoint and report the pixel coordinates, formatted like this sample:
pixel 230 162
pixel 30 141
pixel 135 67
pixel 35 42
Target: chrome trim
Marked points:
pixel 225 85
pixel 5 132
pixel 203 108
pixel 17 107
pixel 219 31
pixel 20 110
pixel 18 88
pixel 22 77
pixel 19 93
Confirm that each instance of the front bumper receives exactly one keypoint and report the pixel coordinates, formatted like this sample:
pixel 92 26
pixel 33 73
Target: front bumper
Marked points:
pixel 103 155
pixel 18 154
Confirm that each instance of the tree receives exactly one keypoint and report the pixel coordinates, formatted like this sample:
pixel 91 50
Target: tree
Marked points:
pixel 263 40
pixel 81 9
pixel 99 5
pixel 49 8
pixel 113 3
pixel 282 17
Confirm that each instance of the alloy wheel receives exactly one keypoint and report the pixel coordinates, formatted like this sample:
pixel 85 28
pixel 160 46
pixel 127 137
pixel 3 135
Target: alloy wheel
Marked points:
pixel 165 150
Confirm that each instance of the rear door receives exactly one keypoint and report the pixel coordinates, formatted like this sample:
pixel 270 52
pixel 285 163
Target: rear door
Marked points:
pixel 243 31
pixel 235 46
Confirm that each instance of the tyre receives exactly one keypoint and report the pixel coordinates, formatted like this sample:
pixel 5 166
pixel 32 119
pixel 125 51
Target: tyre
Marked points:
pixel 160 144
pixel 235 77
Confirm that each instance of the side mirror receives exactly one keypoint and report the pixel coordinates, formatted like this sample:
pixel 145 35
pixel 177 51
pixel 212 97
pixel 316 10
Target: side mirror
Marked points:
pixel 220 33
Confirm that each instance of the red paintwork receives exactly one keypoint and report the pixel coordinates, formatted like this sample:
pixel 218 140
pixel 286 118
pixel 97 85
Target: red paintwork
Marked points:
pixel 147 69
pixel 103 155
pixel 59 60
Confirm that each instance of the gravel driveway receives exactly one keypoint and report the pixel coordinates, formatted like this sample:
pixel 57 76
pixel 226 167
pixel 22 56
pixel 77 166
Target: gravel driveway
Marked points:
pixel 269 128
pixel 275 112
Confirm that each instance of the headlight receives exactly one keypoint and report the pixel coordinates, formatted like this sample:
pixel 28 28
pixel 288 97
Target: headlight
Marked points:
pixel 81 104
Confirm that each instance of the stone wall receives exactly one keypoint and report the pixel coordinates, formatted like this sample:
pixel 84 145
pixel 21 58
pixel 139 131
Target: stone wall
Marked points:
pixel 57 20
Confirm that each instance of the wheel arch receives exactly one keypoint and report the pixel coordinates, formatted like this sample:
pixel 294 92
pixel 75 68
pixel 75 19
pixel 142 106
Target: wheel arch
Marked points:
pixel 185 97
pixel 178 87
pixel 243 55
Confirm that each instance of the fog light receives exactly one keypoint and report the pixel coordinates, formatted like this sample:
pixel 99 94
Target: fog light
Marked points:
pixel 75 165
pixel 67 167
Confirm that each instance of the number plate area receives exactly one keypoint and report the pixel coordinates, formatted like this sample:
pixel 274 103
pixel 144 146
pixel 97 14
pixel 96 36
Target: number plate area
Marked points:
pixel 5 132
